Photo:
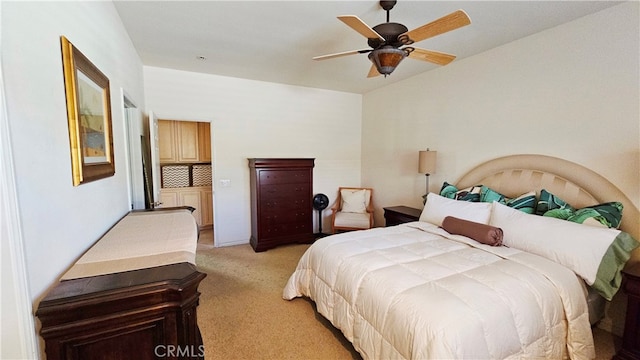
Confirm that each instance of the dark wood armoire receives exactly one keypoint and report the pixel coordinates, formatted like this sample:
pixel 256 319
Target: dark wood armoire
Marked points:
pixel 281 202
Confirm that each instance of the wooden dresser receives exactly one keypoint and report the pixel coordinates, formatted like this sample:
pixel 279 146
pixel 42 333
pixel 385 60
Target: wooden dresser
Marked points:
pixel 281 202
pixel 396 215
pixel 140 314
pixel 112 308
pixel 631 339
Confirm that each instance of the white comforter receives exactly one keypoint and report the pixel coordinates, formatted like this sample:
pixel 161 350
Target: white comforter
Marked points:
pixel 415 292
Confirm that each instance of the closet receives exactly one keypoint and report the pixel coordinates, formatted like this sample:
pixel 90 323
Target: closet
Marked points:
pixel 185 162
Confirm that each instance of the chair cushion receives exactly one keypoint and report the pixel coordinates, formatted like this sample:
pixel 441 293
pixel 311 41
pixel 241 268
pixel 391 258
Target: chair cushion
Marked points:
pixel 354 201
pixel 352 220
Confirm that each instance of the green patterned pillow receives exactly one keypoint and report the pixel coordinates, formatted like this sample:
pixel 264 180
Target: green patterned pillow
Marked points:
pixel 489 195
pixel 471 194
pixel 606 214
pixel 548 201
pixel 563 214
pixel 525 202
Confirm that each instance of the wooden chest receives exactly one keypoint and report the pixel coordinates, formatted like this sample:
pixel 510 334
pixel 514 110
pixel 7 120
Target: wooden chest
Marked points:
pixel 115 308
pixel 281 202
pixel 140 314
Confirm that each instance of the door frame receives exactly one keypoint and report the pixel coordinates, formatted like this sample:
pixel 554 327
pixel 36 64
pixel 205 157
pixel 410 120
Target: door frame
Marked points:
pixel 133 129
pixel 156 170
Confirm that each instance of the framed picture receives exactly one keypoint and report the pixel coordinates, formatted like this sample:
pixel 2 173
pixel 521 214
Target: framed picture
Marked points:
pixel 89 116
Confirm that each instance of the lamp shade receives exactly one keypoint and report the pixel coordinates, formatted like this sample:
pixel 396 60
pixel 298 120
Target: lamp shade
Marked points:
pixel 386 59
pixel 427 162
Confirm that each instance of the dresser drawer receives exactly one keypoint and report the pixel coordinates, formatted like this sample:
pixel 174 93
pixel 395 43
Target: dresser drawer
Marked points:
pixel 272 215
pixel 268 177
pixel 286 229
pixel 282 206
pixel 285 191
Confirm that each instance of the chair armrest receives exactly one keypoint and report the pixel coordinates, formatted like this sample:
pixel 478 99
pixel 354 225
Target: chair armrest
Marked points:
pixel 337 204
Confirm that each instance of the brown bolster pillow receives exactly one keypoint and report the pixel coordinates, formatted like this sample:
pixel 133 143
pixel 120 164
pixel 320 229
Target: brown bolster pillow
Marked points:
pixel 481 233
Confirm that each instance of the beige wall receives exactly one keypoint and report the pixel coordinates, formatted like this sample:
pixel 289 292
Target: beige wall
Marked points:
pixel 570 92
pixel 60 221
pixel 259 119
pixel 53 222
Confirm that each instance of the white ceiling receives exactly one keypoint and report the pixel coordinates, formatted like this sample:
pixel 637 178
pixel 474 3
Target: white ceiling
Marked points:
pixel 274 41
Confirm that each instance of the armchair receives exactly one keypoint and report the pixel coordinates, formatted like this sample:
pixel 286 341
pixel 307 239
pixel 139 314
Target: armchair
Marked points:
pixel 353 209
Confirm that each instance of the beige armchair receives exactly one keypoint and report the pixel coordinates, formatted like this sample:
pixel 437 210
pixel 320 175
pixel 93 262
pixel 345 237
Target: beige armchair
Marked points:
pixel 353 209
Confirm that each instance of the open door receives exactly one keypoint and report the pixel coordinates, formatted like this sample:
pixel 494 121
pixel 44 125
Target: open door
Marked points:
pixel 155 160
pixel 135 146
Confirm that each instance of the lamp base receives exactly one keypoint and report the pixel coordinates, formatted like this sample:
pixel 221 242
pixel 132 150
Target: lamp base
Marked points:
pixel 427 177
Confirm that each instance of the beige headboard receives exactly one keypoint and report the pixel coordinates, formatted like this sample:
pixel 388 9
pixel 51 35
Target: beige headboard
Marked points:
pixel 516 174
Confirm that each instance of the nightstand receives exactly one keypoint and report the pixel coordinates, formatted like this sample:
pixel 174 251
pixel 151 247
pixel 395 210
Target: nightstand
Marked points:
pixel 396 215
pixel 631 338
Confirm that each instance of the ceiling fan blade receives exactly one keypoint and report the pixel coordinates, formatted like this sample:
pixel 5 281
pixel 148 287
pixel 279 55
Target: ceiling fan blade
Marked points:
pixel 373 72
pixel 432 56
pixel 360 26
pixel 345 53
pixel 455 20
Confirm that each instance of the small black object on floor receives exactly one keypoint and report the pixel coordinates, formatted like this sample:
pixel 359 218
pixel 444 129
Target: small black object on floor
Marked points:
pixel 320 202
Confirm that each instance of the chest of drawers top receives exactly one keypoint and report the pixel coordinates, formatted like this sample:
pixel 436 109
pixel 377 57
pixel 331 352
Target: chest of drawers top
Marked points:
pixel 281 163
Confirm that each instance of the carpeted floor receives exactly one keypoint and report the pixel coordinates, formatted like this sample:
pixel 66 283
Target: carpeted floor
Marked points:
pixel 242 314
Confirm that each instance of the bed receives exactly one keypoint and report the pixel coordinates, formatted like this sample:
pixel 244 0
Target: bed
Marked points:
pixel 417 291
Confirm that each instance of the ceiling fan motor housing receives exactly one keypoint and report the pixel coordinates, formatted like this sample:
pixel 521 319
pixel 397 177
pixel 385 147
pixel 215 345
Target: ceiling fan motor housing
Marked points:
pixel 390 32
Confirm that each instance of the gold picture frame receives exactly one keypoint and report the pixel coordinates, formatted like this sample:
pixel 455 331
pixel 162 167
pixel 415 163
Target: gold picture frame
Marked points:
pixel 89 116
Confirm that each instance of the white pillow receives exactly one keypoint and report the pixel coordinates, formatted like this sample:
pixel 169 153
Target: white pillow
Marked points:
pixel 354 201
pixel 438 207
pixel 576 246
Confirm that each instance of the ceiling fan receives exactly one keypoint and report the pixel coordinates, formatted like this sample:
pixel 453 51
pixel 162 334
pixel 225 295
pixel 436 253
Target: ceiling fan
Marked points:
pixel 388 41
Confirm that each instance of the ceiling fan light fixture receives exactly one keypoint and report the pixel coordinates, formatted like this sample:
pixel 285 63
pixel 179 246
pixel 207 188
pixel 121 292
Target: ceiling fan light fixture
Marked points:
pixel 386 59
pixel 388 41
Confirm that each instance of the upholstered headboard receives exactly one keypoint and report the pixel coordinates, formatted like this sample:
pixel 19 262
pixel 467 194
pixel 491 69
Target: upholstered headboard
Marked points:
pixel 516 174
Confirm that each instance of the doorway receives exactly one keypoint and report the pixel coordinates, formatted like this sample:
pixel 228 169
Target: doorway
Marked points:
pixel 184 156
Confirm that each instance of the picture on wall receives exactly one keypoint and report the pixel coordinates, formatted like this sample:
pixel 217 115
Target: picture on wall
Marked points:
pixel 89 116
